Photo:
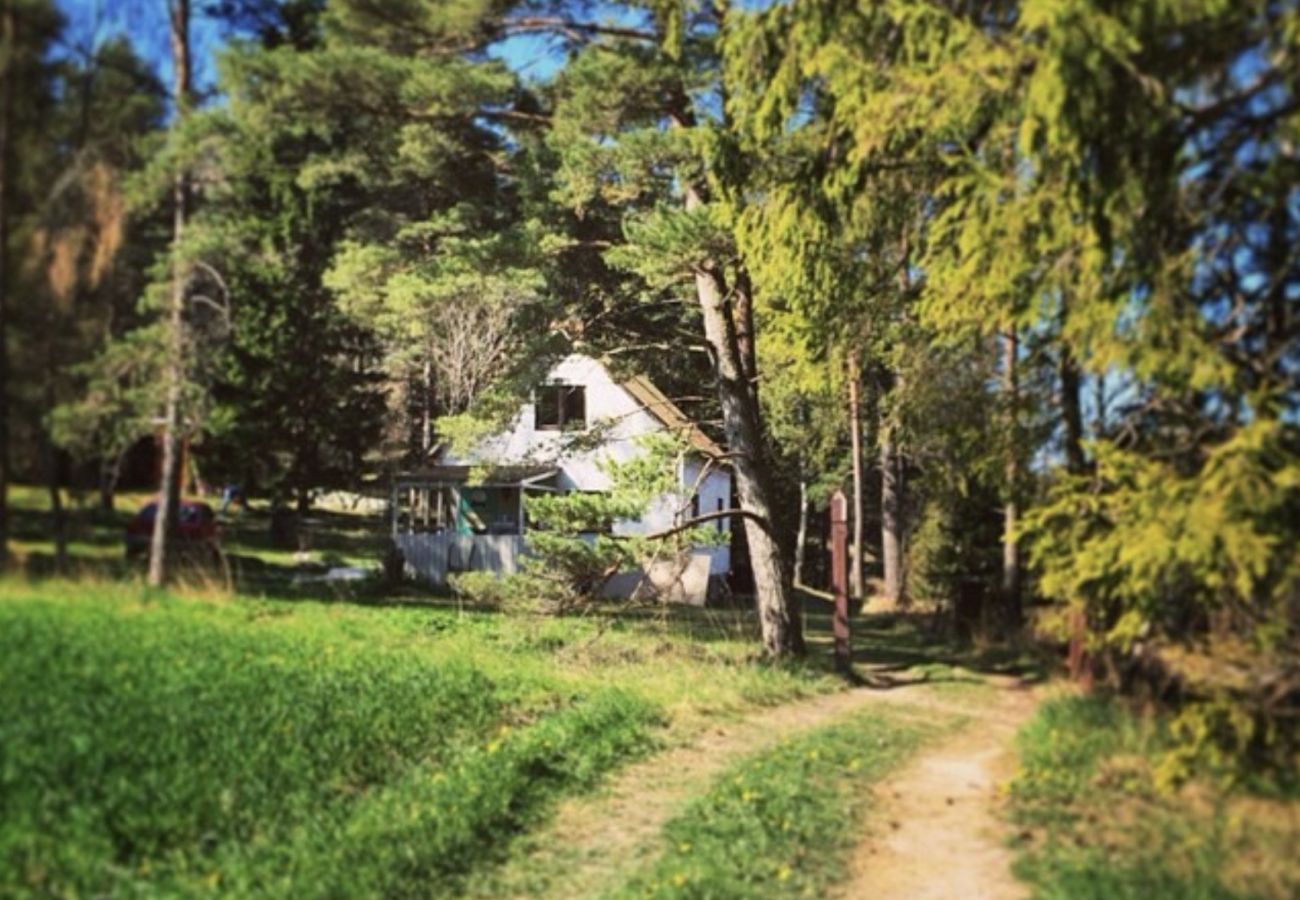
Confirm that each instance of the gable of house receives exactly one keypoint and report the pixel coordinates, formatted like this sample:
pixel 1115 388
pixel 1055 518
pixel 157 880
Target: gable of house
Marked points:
pixel 542 431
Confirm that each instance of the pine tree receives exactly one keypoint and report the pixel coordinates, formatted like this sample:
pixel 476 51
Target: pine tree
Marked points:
pixel 630 129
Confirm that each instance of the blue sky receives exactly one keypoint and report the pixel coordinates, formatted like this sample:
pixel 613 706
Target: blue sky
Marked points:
pixel 91 22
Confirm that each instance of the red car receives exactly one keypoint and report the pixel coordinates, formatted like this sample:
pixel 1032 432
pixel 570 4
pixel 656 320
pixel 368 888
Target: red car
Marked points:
pixel 196 529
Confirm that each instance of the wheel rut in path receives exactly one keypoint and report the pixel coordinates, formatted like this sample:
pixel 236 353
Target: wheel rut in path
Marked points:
pixel 594 842
pixel 934 829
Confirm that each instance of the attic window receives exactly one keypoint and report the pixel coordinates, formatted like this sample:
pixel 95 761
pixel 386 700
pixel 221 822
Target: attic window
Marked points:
pixel 561 407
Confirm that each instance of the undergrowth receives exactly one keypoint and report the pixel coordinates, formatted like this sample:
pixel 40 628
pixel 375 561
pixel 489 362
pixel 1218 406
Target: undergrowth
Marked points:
pixel 1099 820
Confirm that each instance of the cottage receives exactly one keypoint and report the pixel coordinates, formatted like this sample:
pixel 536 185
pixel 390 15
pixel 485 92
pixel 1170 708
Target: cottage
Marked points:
pixel 466 513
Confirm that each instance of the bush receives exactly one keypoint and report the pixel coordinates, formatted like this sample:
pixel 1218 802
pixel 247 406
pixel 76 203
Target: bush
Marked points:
pixel 521 592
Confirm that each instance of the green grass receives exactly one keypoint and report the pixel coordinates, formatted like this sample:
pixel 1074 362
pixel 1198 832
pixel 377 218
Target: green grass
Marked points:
pixel 1095 824
pixel 330 537
pixel 780 823
pixel 155 744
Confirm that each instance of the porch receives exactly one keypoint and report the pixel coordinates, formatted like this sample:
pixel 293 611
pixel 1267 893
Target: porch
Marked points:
pixel 449 519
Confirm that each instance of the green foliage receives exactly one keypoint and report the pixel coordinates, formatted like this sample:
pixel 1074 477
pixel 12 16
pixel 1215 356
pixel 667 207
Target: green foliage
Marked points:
pixel 376 212
pixel 780 823
pixel 520 592
pixel 1142 545
pixel 1100 821
pixel 83 256
pixel 574 539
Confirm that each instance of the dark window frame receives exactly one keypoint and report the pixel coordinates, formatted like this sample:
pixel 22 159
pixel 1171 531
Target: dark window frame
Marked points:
pixel 567 403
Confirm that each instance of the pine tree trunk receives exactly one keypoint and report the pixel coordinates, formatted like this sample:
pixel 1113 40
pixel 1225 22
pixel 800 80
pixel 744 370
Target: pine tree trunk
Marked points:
pixel 110 469
pixel 891 515
pixel 778 619
pixel 859 507
pixel 1011 509
pixel 1099 402
pixel 801 537
pixel 426 426
pixel 50 453
pixel 746 342
pixel 1071 413
pixel 168 489
pixel 8 45
pixel 58 517
pixel 892 524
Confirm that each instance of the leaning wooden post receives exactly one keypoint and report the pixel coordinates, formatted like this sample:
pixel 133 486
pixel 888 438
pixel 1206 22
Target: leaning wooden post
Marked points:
pixel 840 581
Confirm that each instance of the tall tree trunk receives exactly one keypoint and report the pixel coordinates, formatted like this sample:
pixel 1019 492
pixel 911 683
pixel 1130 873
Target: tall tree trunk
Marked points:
pixel 8 47
pixel 891 468
pixel 58 517
pixel 50 453
pixel 859 507
pixel 110 469
pixel 1071 413
pixel 778 619
pixel 1011 509
pixel 801 536
pixel 426 408
pixel 168 489
pixel 746 338
pixel 891 514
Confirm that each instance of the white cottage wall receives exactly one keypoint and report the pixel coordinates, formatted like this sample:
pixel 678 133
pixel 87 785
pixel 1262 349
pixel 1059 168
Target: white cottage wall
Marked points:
pixel 608 406
pixel 623 419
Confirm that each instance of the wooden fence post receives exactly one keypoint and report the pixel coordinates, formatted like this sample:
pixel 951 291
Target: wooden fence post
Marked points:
pixel 840 582
pixel 1077 662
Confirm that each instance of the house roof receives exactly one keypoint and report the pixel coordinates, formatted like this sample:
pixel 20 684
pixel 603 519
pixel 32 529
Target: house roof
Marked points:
pixel 666 411
pixel 485 476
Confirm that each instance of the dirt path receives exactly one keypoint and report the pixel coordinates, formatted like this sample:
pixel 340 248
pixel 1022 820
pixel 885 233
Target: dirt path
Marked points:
pixel 594 842
pixel 934 831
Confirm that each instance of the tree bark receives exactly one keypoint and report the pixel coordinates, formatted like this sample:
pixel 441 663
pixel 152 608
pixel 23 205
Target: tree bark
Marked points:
pixel 746 340
pixel 9 39
pixel 1071 412
pixel 58 517
pixel 859 507
pixel 168 489
pixel 891 514
pixel 891 470
pixel 110 469
pixel 426 409
pixel 1011 508
pixel 778 620
pixel 50 453
pixel 801 536
pixel 1099 401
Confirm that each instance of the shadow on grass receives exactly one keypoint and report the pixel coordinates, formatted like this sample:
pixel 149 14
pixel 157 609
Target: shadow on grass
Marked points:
pixel 889 649
pixel 899 648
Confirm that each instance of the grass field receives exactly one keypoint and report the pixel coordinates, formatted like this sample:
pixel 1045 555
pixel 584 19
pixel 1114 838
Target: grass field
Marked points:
pixel 1096 822
pixel 161 744
pixel 273 741
pixel 254 562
